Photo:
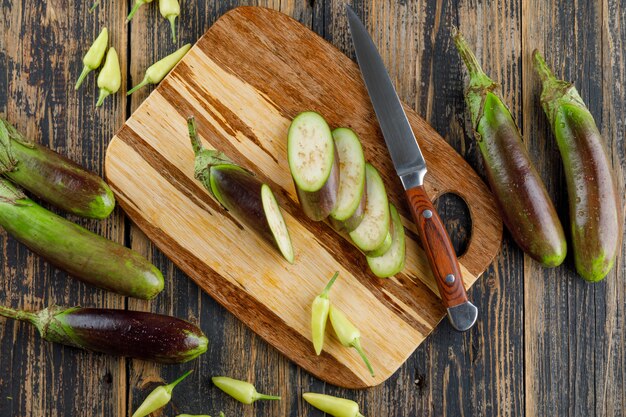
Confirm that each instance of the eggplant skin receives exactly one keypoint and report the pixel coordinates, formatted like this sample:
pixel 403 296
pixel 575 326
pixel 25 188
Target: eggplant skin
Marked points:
pixel 593 203
pixel 135 334
pixel 518 189
pixel 58 180
pixel 81 253
pixel 240 193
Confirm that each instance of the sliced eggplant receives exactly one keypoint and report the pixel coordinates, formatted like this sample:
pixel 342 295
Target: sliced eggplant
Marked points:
pixel 392 261
pixel 242 193
pixel 351 199
pixel 313 164
pixel 383 248
pixel 374 227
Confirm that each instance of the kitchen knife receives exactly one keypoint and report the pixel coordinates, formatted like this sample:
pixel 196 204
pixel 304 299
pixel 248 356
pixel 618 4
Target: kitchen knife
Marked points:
pixel 411 168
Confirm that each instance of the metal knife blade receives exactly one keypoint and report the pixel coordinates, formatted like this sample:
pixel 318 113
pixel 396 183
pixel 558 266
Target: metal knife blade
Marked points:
pixel 403 147
pixel 411 168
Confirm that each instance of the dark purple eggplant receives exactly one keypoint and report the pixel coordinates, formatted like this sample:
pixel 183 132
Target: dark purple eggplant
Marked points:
pixel 53 177
pixel 313 163
pixel 135 334
pixel 241 193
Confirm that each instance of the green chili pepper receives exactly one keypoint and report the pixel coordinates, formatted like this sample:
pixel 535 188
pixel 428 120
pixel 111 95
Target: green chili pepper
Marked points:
pixel 335 406
pixel 348 334
pixel 157 71
pixel 319 316
pixel 136 6
pixel 110 78
pixel 242 391
pixel 170 9
pixel 158 398
pixel 93 57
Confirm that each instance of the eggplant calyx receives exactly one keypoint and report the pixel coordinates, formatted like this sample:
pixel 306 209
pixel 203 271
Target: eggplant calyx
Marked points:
pixel 11 194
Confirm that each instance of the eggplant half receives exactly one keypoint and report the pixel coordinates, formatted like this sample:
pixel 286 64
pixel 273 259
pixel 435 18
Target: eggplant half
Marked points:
pixel 240 192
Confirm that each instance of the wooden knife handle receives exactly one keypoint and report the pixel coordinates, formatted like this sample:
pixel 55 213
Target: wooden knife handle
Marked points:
pixel 438 248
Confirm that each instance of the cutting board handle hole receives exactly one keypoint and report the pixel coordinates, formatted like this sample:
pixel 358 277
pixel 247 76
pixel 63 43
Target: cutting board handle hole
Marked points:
pixel 456 216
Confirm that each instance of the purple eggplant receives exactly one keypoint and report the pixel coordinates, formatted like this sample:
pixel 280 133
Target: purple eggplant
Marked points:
pixel 241 193
pixel 134 334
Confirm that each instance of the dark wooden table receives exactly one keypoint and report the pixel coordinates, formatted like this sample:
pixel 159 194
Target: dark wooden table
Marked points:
pixel 546 343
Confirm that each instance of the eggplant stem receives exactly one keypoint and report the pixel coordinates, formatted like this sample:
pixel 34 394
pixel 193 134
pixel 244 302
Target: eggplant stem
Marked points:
pixel 169 387
pixel 356 344
pixel 193 135
pixel 329 285
pixel 545 73
pixel 18 314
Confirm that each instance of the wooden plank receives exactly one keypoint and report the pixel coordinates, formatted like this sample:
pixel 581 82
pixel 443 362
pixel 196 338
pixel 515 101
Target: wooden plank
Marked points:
pixel 42 48
pixel 573 331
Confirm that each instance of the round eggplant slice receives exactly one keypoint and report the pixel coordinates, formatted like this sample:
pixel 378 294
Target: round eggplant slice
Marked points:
pixel 392 261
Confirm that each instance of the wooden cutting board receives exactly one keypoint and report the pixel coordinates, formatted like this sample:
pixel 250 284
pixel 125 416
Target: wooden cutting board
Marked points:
pixel 244 80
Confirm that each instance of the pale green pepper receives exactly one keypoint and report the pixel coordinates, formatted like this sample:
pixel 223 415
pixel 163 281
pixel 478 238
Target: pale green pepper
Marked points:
pixel 93 57
pixel 170 9
pixel 319 316
pixel 136 6
pixel 157 71
pixel 110 78
pixel 242 391
pixel 335 406
pixel 158 398
pixel 348 334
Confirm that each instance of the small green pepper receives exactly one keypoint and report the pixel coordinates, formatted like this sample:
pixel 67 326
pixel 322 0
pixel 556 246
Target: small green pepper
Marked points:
pixel 319 316
pixel 170 9
pixel 335 406
pixel 157 71
pixel 242 391
pixel 110 78
pixel 348 334
pixel 93 57
pixel 136 6
pixel 158 398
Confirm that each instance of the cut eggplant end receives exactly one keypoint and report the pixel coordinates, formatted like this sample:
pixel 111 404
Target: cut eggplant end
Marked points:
pixel 374 227
pixel 382 249
pixel 310 151
pixel 277 223
pixel 392 261
pixel 351 174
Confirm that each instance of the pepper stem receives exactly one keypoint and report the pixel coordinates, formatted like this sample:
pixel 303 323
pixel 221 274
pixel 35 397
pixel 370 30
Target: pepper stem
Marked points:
pixel 265 397
pixel 103 94
pixel 95 4
pixel 83 75
pixel 324 293
pixel 18 314
pixel 172 19
pixel 136 6
pixel 169 387
pixel 357 345
pixel 143 83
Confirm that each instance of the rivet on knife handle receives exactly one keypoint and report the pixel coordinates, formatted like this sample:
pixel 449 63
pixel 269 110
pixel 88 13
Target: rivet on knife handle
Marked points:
pixel 442 259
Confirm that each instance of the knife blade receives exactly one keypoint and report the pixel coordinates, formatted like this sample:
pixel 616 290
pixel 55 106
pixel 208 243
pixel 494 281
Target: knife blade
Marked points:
pixel 410 166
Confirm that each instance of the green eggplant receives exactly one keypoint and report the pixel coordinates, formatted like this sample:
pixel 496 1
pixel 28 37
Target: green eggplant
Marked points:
pixel 518 189
pixel 53 177
pixel 595 219
pixel 83 254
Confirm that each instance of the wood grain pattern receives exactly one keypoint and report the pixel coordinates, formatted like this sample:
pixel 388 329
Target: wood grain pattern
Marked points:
pixel 437 247
pixel 566 337
pixel 243 109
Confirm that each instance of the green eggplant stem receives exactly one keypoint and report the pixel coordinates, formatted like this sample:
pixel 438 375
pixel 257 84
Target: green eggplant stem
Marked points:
pixel 138 86
pixel 545 73
pixel 478 78
pixel 18 314
pixel 169 387
pixel 356 344
pixel 193 135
